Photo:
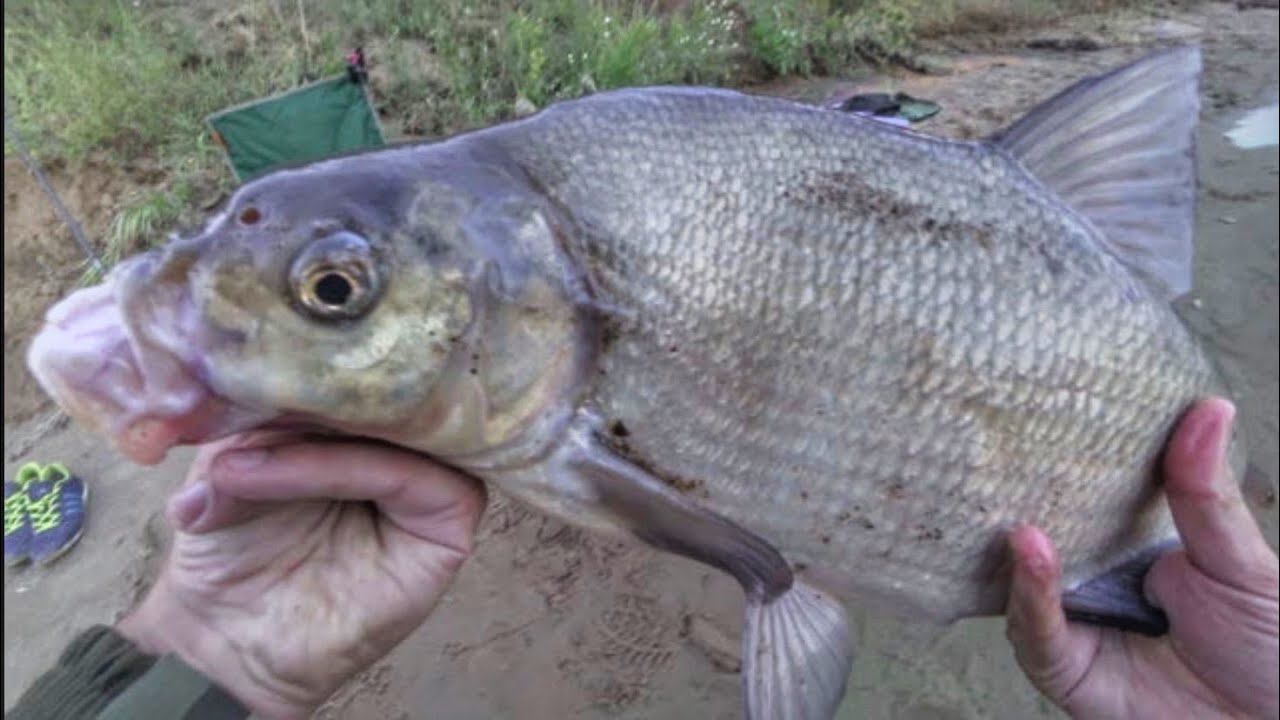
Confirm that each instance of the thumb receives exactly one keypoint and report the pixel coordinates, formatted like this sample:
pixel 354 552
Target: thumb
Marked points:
pixel 200 508
pixel 1220 535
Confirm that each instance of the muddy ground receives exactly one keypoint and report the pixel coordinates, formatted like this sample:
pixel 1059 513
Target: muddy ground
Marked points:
pixel 545 622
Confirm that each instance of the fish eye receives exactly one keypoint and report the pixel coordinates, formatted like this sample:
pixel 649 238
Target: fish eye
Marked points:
pixel 329 291
pixel 334 288
pixel 336 278
pixel 250 215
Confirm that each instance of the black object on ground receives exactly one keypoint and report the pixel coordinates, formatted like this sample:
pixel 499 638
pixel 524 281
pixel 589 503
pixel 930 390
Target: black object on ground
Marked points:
pixel 899 105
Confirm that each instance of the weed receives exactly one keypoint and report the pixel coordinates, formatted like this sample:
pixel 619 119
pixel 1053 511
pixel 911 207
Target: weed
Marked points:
pixel 781 36
pixel 137 78
pixel 138 224
pixel 84 78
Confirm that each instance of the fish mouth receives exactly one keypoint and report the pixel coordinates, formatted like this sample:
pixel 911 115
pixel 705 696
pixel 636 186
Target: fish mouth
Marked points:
pixel 124 359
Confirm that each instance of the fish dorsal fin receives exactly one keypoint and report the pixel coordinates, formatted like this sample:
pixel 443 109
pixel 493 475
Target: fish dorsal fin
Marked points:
pixel 1119 149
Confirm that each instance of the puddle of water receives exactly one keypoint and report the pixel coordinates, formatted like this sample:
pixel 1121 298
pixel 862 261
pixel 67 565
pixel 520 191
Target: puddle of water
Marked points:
pixel 1258 128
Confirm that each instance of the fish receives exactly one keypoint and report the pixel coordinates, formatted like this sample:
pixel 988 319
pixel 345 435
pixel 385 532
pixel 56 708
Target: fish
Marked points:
pixel 833 358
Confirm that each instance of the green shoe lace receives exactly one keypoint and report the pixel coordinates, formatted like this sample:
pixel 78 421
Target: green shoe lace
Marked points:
pixel 17 503
pixel 46 511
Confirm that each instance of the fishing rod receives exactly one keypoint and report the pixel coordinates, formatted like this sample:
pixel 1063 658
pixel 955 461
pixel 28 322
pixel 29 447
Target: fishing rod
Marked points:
pixel 77 232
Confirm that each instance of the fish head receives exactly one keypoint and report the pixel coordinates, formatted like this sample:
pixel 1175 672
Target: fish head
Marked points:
pixel 341 296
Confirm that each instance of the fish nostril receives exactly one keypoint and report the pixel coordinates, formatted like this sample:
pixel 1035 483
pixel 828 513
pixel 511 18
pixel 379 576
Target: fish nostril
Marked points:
pixel 325 228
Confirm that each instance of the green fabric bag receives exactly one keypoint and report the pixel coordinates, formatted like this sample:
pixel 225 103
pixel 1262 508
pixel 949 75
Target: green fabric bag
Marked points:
pixel 324 118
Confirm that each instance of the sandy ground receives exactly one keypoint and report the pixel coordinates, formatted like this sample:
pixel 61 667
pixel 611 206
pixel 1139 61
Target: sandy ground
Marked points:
pixel 545 622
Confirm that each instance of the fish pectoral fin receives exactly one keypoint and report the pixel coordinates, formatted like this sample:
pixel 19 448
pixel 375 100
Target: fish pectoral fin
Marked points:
pixel 797 647
pixel 1119 149
pixel 1115 598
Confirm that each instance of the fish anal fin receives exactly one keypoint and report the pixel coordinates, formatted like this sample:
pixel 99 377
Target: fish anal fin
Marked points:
pixel 1116 599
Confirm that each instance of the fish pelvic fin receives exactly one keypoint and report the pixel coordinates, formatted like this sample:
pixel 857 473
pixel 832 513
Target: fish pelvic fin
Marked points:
pixel 797 647
pixel 1119 149
pixel 797 650
pixel 1116 599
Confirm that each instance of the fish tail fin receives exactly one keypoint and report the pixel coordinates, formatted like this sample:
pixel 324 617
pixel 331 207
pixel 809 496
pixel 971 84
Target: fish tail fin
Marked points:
pixel 1116 599
pixel 1119 149
pixel 797 651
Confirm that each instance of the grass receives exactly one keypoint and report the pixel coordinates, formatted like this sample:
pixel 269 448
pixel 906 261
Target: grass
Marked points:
pixel 134 79
pixel 141 224
pixel 145 218
pixel 119 81
pixel 456 65
pixel 819 37
pixel 138 78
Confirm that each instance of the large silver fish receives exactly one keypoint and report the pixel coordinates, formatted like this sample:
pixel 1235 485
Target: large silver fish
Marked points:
pixel 834 358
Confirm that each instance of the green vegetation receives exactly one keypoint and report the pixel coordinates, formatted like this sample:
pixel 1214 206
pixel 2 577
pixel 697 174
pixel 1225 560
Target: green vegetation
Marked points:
pixel 145 219
pixel 803 38
pixel 136 78
pixel 124 80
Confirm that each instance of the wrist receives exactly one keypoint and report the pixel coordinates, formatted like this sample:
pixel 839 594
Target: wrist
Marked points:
pixel 161 625
pixel 152 629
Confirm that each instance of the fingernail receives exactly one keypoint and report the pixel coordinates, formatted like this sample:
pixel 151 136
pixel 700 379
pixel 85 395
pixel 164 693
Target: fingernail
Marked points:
pixel 1224 425
pixel 240 460
pixel 1037 564
pixel 1036 558
pixel 188 506
pixel 1210 436
pixel 1204 432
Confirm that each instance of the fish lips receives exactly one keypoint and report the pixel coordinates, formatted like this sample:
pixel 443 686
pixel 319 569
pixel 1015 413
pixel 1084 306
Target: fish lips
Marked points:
pixel 123 358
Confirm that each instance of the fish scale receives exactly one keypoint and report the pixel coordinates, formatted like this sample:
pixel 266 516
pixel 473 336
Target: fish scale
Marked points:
pixel 931 317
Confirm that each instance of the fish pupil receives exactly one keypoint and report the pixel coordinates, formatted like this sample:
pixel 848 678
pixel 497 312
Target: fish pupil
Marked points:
pixel 333 289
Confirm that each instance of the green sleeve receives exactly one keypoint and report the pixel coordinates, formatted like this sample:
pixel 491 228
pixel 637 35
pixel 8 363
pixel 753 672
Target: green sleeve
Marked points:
pixel 101 674
pixel 95 667
pixel 172 689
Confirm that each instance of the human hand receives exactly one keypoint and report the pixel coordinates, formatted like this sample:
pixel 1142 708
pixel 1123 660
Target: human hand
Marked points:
pixel 1221 656
pixel 298 562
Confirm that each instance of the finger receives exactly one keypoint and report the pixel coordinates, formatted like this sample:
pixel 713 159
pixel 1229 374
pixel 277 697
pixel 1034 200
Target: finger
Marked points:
pixel 205 454
pixel 1176 586
pixel 198 508
pixel 1221 536
pixel 420 496
pixel 1054 654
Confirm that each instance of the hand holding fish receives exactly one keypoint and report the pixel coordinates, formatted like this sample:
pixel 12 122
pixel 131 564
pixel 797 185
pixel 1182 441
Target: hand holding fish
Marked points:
pixel 1220 593
pixel 298 562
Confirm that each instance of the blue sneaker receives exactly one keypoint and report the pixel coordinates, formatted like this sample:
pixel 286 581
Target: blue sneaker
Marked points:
pixel 17 521
pixel 56 506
